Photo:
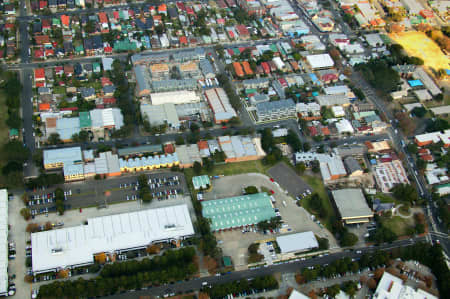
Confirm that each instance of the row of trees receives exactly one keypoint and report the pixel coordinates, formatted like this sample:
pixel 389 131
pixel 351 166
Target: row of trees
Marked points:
pixel 59 201
pixel 273 153
pixel 379 74
pixel 235 100
pixel 259 283
pixel 173 265
pixel 144 189
pixel 45 180
pixel 273 223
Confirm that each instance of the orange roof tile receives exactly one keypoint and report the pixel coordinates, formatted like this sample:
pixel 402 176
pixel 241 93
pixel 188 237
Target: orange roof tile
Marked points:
pixel 44 106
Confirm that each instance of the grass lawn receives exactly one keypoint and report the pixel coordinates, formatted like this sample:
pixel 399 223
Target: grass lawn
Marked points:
pixel 59 90
pixel 384 198
pixel 97 85
pixel 398 224
pixel 319 188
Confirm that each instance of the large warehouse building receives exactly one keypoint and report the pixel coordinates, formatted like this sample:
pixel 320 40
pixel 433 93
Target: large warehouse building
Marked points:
pixel 239 211
pixel 220 105
pixel 3 242
pixel 352 206
pixel 76 246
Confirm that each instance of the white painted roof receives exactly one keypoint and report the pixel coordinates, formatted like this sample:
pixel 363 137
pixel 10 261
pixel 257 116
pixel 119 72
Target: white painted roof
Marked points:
pixel 320 61
pixel 297 242
pixel 3 241
pixel 77 245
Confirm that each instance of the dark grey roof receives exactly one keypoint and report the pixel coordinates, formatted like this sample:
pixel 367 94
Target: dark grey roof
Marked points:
pixel 206 67
pixel 87 91
pixel 109 89
pixel 268 107
pixel 352 164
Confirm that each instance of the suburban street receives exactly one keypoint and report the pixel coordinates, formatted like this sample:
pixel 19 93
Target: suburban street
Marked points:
pixel 189 286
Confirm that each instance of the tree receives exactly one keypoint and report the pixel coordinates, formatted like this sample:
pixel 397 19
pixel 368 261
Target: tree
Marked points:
pixel 406 123
pixel 54 139
pixel 412 148
pixel 405 192
pixel 348 239
pixel 293 140
pixel 251 190
pixel 300 167
pixel 419 112
pixel 179 140
pixel 315 166
pixel 26 214
pixel 197 167
pixel 15 151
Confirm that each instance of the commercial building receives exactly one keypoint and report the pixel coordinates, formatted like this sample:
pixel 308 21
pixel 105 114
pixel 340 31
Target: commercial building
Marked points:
pixel 67 127
pixel 331 166
pixel 72 247
pixel 269 111
pixel 143 79
pixel 390 173
pixel 393 287
pixel 377 146
pixel 344 126
pixel 109 118
pixel 441 110
pixel 320 61
pixel 201 182
pixel 164 114
pixel 57 158
pixel 352 206
pixel 420 74
pixel 239 211
pixel 188 154
pixel 140 150
pixel 434 137
pixel 107 164
pixel 220 105
pixel 241 148
pixel 148 163
pixel 333 100
pixel 174 97
pixel 300 242
pixel 297 295
pixel 4 252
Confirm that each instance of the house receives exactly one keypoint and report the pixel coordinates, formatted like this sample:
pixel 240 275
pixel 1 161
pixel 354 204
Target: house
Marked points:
pixel 42 40
pixel 88 93
pixel 68 70
pixel 39 75
pixel 108 90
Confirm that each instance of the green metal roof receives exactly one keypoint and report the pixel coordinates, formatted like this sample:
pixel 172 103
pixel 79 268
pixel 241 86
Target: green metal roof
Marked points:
pixel 200 181
pixel 124 45
pixel 226 261
pixel 85 120
pixel 273 48
pixel 96 67
pixel 238 211
pixel 13 132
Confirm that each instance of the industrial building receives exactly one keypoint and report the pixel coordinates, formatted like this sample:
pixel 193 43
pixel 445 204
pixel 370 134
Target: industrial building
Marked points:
pixel 164 114
pixel 320 61
pixel 393 287
pixel 109 118
pixel 174 97
pixel 269 111
pixel 295 243
pixel 201 182
pixel 4 253
pixel 241 148
pixel 239 211
pixel 331 166
pixel 220 105
pixel 353 167
pixel 188 154
pixel 352 206
pixel 72 247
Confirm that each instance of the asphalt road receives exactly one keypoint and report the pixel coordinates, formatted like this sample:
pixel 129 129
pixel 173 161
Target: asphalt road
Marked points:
pixel 196 284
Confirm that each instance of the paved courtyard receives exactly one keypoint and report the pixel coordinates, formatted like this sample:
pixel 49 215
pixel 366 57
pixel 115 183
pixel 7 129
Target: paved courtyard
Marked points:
pixel 235 243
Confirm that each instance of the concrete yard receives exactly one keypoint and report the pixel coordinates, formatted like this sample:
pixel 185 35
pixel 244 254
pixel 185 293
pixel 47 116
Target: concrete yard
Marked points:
pixel 235 243
pixel 288 179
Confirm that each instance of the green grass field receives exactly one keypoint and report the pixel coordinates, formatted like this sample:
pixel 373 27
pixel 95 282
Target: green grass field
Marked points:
pixel 398 224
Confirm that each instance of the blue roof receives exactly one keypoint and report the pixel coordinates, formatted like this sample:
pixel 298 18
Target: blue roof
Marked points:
pixel 447 71
pixel 313 77
pixel 414 83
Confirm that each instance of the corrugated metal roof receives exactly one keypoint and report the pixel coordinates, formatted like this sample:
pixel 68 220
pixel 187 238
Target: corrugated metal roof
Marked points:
pixel 238 211
pixel 4 241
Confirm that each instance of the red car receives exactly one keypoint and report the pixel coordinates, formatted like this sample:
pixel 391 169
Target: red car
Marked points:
pixel 224 127
pixel 271 191
pixel 272 180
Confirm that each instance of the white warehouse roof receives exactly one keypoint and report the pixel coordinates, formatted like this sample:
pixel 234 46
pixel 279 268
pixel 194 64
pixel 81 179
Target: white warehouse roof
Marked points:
pixel 3 241
pixel 297 242
pixel 320 61
pixel 77 245
pixel 175 97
